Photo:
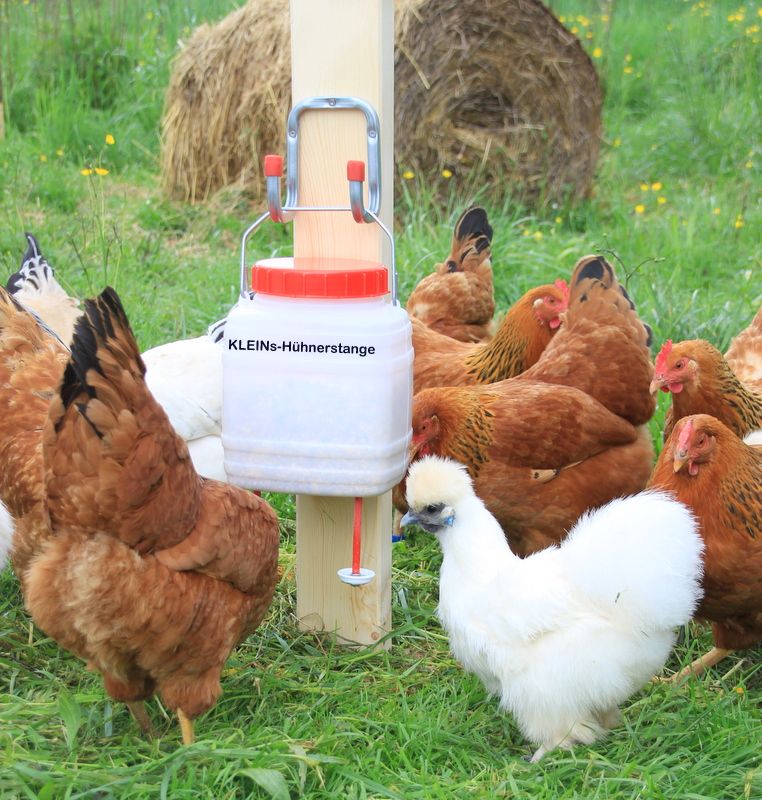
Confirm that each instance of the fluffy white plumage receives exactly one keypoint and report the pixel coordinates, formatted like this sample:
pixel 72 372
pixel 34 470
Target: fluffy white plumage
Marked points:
pixel 186 378
pixel 754 438
pixel 566 635
pixel 7 526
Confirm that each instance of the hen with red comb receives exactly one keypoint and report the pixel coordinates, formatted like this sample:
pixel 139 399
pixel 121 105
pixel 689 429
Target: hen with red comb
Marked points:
pixel 705 465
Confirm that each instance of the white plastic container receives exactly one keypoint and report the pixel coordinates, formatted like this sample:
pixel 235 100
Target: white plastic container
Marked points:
pixel 317 381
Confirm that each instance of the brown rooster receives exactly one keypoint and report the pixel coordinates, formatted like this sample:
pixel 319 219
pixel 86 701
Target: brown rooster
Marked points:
pixel 32 360
pixel 152 574
pixel 568 434
pixel 702 381
pixel 706 466
pixel 521 338
pixel 457 299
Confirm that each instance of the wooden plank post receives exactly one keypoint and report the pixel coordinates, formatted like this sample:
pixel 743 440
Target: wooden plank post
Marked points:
pixel 341 48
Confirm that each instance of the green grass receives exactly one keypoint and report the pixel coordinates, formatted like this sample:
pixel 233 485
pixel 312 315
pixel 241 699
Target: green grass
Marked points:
pixel 300 717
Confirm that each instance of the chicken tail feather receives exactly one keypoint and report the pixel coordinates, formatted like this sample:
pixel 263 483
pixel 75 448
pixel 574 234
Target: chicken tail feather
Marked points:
pixel 103 325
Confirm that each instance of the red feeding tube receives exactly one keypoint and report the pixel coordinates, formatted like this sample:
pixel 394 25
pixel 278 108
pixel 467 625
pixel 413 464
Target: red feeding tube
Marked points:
pixel 356 532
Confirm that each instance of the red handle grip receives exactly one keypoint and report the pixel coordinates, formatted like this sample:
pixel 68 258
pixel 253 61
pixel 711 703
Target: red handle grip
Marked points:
pixel 273 166
pixel 356 170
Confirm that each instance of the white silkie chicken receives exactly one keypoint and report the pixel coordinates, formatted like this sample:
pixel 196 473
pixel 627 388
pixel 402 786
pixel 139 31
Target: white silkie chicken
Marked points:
pixel 184 376
pixel 566 635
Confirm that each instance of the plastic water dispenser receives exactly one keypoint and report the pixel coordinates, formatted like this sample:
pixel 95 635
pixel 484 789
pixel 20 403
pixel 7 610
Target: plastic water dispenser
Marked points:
pixel 317 363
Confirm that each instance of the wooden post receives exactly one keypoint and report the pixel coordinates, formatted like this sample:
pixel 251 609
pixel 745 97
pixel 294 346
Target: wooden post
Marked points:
pixel 341 48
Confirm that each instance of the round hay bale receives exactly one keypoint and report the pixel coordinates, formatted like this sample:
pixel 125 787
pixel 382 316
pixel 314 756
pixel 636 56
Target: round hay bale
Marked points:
pixel 498 86
pixel 227 102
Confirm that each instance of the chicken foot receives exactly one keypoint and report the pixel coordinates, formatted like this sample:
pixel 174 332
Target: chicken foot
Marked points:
pixel 186 726
pixel 140 715
pixel 701 664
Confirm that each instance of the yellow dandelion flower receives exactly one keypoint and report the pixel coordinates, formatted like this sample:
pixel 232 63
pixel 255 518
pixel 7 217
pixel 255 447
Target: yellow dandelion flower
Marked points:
pixel 627 70
pixel 101 171
pixel 525 232
pixel 597 53
pixel 589 35
pixel 628 57
pixel 661 200
pixel 408 174
pixel 447 173
pixel 749 164
pixel 644 187
pixel 617 142
pixel 110 139
pixel 562 19
pixel 759 11
pixel 575 30
pixel 559 220
pixel 739 223
pixel 752 29
pixel 604 17
pixel 656 187
pixel 60 151
pixel 86 171
pixel 537 235
pixel 716 212
pixel 43 157
pixel 640 208
pixel 739 690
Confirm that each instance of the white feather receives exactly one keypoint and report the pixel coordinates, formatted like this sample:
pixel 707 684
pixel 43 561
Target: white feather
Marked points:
pixel 185 377
pixel 754 438
pixel 567 634
pixel 7 526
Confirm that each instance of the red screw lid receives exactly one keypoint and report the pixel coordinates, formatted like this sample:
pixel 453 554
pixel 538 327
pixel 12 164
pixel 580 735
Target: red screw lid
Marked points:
pixel 330 278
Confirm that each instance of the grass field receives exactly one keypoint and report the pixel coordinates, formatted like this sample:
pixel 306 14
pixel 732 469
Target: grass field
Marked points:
pixel 677 206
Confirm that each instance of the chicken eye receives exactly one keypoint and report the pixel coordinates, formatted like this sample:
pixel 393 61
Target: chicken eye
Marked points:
pixel 680 364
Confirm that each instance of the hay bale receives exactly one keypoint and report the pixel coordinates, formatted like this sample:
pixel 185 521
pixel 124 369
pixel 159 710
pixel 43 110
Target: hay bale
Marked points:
pixel 495 85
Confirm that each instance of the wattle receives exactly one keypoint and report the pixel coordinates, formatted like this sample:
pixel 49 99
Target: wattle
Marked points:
pixel 675 388
pixel 554 323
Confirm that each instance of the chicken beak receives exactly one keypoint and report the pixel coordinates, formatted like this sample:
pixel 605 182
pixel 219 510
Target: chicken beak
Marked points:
pixel 679 460
pixel 409 519
pixel 656 384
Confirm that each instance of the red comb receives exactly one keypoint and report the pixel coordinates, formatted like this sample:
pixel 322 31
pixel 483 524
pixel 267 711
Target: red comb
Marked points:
pixel 685 434
pixel 661 360
pixel 562 287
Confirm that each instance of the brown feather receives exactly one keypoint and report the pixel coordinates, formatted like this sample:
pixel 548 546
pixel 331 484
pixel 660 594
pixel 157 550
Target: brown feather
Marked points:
pixel 708 385
pixel 725 494
pixel 457 299
pixel 153 574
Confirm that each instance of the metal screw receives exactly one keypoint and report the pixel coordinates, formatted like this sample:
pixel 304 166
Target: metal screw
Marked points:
pixel 371 134
pixel 331 101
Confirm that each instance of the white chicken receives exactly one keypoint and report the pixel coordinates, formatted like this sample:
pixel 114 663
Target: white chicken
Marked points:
pixel 185 376
pixel 563 636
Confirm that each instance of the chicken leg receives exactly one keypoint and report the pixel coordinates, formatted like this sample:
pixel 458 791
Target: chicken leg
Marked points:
pixel 186 726
pixel 140 715
pixel 701 664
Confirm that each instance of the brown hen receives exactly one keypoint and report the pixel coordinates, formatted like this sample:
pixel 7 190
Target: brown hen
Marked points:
pixel 702 381
pixel 706 466
pixel 457 299
pixel 520 340
pixel 566 435
pixel 152 574
pixel 32 360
